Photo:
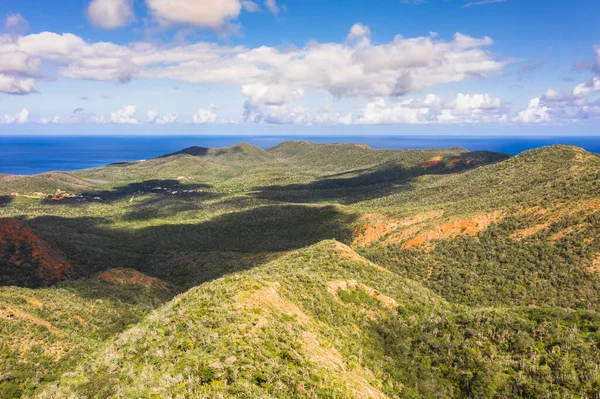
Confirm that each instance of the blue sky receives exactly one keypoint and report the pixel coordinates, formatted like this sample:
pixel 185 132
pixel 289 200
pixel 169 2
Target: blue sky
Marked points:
pixel 264 65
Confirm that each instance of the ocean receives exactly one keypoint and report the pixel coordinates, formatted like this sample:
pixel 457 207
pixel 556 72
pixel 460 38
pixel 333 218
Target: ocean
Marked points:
pixel 27 155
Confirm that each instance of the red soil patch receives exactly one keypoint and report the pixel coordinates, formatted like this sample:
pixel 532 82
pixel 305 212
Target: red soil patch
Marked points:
pixel 433 162
pixel 448 230
pixel 378 226
pixel 369 233
pixel 458 161
pixel 363 146
pixel 132 277
pixel 26 259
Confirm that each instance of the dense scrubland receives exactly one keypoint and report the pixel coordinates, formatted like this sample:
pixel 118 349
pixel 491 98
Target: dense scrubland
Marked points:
pixel 304 271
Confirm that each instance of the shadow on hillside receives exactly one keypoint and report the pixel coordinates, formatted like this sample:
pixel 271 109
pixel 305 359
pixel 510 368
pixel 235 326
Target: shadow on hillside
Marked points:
pixel 373 183
pixel 155 187
pixel 5 200
pixel 193 151
pixel 243 239
pixel 263 229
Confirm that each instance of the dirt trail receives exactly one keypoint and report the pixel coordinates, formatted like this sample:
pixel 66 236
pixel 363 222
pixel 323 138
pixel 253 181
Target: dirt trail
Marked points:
pixel 9 313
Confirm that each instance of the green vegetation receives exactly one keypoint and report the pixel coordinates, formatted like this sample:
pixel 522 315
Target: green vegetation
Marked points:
pixel 307 271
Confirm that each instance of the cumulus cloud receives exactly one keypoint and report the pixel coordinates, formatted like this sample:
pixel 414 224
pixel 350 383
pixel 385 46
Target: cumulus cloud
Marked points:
pixel 597 60
pixel 204 116
pixel 536 112
pixel 358 31
pixel 273 79
pixel 19 117
pixel 278 105
pixel 582 103
pixel 16 24
pixel 124 116
pixel 464 108
pixel 586 88
pixel 12 85
pixel 273 104
pixel 326 117
pixel 153 117
pixel 341 69
pixel 110 14
pixel 206 14
pixel 381 112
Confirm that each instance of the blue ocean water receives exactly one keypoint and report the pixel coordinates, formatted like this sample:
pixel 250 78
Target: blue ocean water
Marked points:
pixel 26 155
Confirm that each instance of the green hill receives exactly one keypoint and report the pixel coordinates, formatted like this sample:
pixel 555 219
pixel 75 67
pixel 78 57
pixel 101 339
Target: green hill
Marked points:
pixel 324 322
pixel 306 270
pixel 238 153
pixel 45 183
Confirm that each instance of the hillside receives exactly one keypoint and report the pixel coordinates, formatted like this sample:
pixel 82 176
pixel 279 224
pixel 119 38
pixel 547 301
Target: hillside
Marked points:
pixel 306 270
pixel 324 322
pixel 47 332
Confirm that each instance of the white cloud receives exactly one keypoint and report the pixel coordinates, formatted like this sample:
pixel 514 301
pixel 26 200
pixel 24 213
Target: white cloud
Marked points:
pixel 335 118
pixel 273 79
pixel 20 117
pixel 124 116
pixel 110 14
pixel 168 119
pixel 464 41
pixel 586 88
pixel 556 107
pixel 250 6
pixel 358 31
pixel 273 104
pixel 12 85
pixel 204 116
pixel 153 117
pixel 477 101
pixel 15 23
pixel 381 112
pixel 343 70
pixel 272 6
pixel 208 14
pixel 597 59
pixel 464 108
pixel 536 112
pixel 278 105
